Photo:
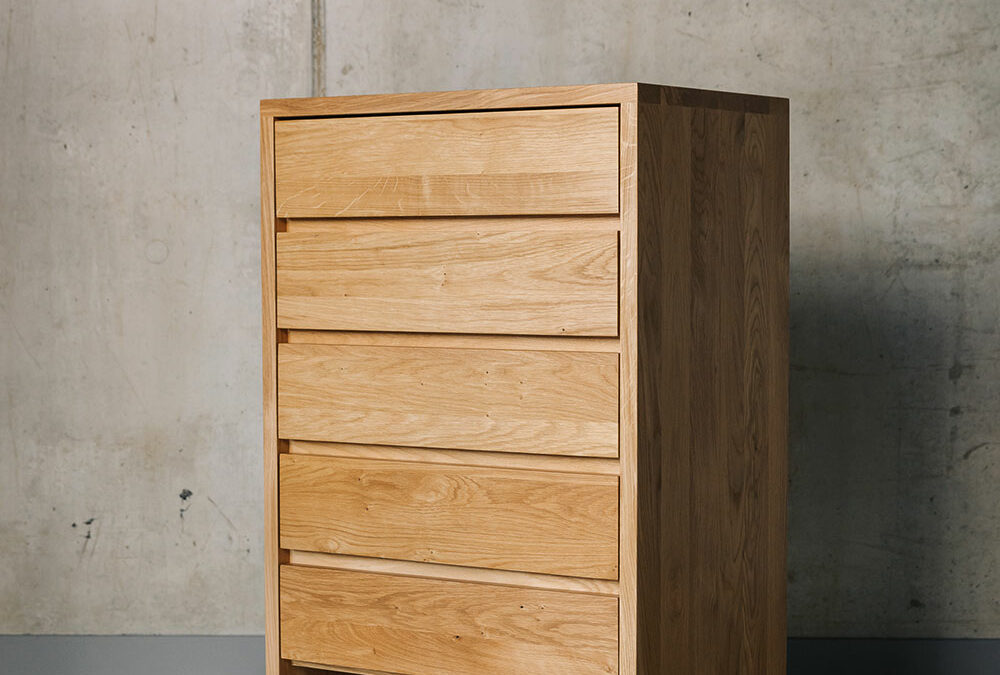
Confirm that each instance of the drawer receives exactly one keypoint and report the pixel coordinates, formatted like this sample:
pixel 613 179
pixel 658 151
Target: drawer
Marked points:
pixel 543 402
pixel 521 283
pixel 517 162
pixel 421 626
pixel 513 519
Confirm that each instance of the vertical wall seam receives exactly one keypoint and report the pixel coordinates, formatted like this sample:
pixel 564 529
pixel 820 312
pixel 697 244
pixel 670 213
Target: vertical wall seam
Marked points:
pixel 318 48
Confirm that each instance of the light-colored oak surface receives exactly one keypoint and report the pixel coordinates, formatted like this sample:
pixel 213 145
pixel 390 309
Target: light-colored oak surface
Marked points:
pixel 348 227
pixel 513 519
pixel 437 627
pixel 306 668
pixel 445 101
pixel 454 341
pixel 273 556
pixel 606 466
pixel 560 161
pixel 628 515
pixel 515 282
pixel 525 97
pixel 559 403
pixel 479 575
pixel 471 245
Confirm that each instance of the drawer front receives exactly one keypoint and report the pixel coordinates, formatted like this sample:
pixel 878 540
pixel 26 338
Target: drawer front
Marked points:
pixel 513 519
pixel 543 402
pixel 562 161
pixel 436 627
pixel 522 283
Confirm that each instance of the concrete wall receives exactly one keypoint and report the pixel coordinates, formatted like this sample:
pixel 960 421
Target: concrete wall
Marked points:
pixel 128 284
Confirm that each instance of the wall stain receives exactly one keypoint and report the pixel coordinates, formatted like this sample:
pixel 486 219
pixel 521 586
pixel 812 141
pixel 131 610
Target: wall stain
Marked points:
pixel 90 538
pixel 185 495
pixel 968 453
pixel 222 513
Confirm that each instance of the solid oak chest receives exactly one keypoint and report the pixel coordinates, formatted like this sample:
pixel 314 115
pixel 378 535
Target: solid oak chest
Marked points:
pixel 525 381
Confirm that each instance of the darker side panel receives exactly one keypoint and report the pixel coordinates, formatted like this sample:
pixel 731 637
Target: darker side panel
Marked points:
pixel 663 376
pixel 713 346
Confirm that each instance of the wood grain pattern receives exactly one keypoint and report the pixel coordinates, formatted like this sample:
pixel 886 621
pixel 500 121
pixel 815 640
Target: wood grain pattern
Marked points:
pixel 272 555
pixel 349 227
pixel 558 403
pixel 605 466
pixel 529 97
pixel 479 575
pixel 773 343
pixel 683 97
pixel 511 519
pixel 455 341
pixel 686 407
pixel 309 668
pixel 426 626
pixel 628 366
pixel 529 283
pixel 468 100
pixel 712 388
pixel 663 422
pixel 560 161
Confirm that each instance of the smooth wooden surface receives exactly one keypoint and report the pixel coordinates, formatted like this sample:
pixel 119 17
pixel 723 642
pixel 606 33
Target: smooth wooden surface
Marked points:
pixel 528 97
pixel 514 282
pixel 306 668
pixel 606 466
pixel 712 392
pixel 697 377
pixel 663 422
pixel 511 519
pixel 628 365
pixel 479 575
pixel 454 341
pixel 558 403
pixel 273 556
pixel 348 227
pixel 559 161
pixel 440 101
pixel 773 343
pixel 437 627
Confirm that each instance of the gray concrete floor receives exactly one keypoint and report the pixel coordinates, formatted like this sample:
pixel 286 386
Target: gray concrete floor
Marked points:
pixel 130 655
pixel 174 655
pixel 893 657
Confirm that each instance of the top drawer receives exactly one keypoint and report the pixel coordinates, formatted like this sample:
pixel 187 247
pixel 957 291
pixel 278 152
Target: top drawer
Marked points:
pixel 514 162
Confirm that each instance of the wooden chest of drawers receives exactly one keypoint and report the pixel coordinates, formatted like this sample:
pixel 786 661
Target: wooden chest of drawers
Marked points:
pixel 525 381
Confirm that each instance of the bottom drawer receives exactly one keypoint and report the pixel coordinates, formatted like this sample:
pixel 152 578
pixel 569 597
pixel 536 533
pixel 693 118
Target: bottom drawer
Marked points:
pixel 420 626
